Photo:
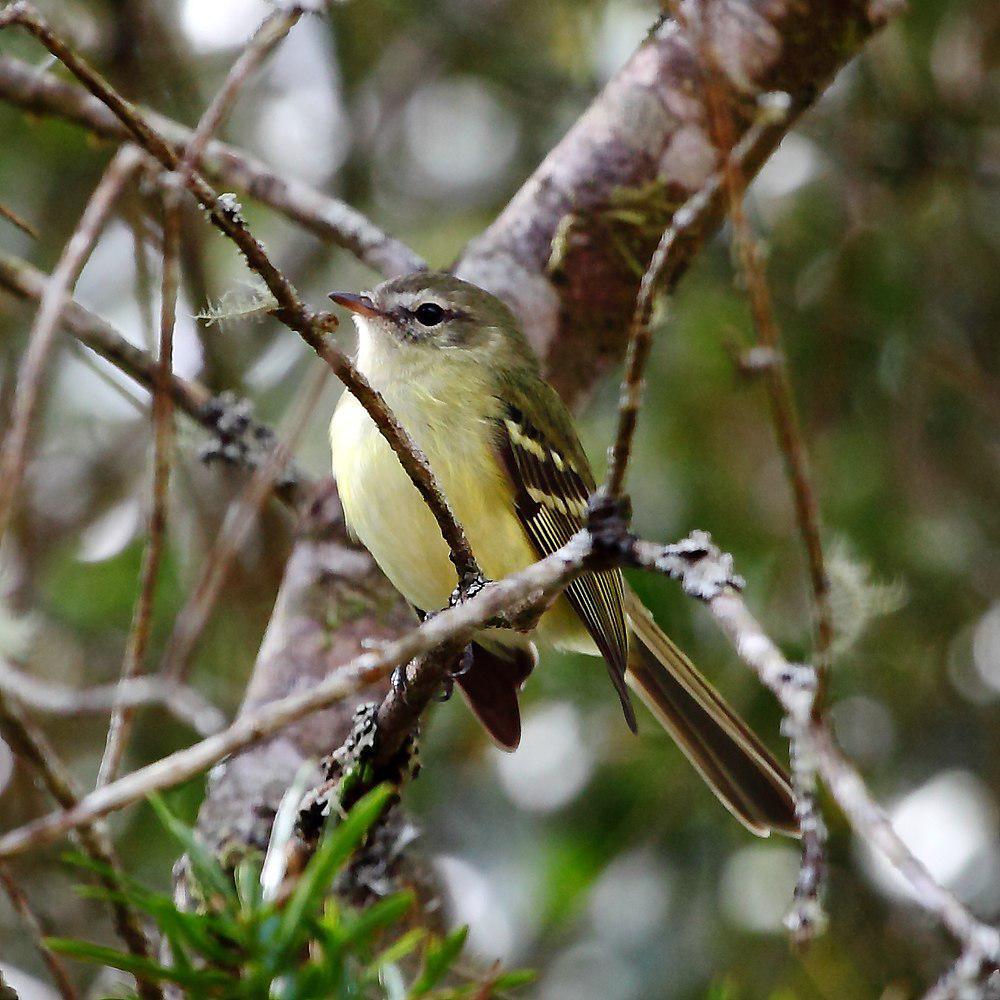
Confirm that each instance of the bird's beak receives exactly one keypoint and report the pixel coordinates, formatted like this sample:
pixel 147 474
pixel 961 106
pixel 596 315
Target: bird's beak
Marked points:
pixel 360 304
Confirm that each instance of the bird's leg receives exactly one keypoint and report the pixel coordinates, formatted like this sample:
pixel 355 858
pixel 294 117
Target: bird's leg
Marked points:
pixel 468 586
pixel 448 681
pixel 608 519
pixel 398 681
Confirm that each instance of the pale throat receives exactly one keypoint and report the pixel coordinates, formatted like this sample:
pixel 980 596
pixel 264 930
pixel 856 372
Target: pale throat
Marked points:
pixel 421 382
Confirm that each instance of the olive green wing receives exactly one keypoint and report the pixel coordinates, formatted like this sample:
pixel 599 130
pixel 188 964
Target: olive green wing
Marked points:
pixel 552 482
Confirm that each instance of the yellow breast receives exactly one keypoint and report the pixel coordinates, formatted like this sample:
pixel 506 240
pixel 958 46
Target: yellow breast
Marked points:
pixel 389 517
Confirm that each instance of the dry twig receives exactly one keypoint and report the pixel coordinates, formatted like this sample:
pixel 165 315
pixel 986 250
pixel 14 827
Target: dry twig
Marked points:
pixel 31 920
pixel 16 220
pixel 535 584
pixel 660 276
pixel 329 218
pixel 216 414
pixel 270 34
pixel 29 743
pixel 184 703
pixel 29 377
pixel 226 214
pixel 137 644
pixel 194 616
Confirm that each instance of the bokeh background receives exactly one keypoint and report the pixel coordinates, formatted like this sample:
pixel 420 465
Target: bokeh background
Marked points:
pixel 594 856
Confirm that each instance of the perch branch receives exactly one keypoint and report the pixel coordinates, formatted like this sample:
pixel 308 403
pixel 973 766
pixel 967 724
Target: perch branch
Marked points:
pixel 458 623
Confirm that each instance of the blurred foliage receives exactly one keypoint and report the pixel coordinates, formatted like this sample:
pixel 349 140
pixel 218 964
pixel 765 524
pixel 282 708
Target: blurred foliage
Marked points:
pixel 592 855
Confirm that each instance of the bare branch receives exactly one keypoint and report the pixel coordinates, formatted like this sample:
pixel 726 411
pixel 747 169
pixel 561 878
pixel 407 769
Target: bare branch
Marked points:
pixel 52 961
pixel 16 220
pixel 660 275
pixel 28 742
pixel 795 687
pixel 329 218
pixel 225 213
pixel 184 703
pixel 29 378
pixel 270 34
pixel 163 441
pixel 223 417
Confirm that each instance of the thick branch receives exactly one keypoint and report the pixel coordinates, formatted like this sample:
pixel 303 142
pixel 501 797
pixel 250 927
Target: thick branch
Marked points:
pixel 568 251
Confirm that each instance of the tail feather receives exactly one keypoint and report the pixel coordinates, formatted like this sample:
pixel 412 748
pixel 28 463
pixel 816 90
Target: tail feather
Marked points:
pixel 491 678
pixel 747 779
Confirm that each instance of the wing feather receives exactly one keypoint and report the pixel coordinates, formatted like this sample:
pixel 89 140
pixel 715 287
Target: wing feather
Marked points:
pixel 551 491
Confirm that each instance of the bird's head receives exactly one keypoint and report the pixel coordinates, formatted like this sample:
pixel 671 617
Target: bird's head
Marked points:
pixel 434 317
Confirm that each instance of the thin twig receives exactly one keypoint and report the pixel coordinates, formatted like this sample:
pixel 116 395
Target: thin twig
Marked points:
pixel 781 396
pixel 28 742
pixel 29 377
pixel 795 687
pixel 16 220
pixel 806 917
pixel 328 218
pixel 661 275
pixel 31 920
pixel 184 703
pixel 243 513
pixel 270 33
pixel 137 644
pixel 226 214
pixel 213 413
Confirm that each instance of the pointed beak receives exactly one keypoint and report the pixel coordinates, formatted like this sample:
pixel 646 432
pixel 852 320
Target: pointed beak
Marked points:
pixel 360 304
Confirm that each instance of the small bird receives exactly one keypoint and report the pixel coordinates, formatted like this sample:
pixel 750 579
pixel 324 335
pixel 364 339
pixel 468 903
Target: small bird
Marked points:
pixel 452 363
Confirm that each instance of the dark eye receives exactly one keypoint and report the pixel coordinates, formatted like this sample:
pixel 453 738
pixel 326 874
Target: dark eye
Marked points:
pixel 429 314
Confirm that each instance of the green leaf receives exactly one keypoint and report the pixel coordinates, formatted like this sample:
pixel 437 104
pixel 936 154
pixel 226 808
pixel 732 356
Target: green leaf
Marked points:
pixel 514 979
pixel 386 912
pixel 337 846
pixel 145 968
pixel 248 890
pixel 398 950
pixel 439 958
pixel 204 866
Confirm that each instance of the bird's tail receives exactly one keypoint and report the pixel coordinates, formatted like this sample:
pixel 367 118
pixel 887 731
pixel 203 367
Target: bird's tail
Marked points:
pixel 749 782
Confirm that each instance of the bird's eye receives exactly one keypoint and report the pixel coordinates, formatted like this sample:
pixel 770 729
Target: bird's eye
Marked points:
pixel 429 314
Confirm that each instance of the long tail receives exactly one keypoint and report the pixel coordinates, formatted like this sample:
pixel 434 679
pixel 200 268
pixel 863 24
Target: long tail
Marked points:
pixel 749 782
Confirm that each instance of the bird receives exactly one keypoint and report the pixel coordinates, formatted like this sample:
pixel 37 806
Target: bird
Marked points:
pixel 452 363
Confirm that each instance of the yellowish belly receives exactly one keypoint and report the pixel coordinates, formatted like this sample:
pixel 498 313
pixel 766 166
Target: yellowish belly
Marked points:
pixel 388 515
